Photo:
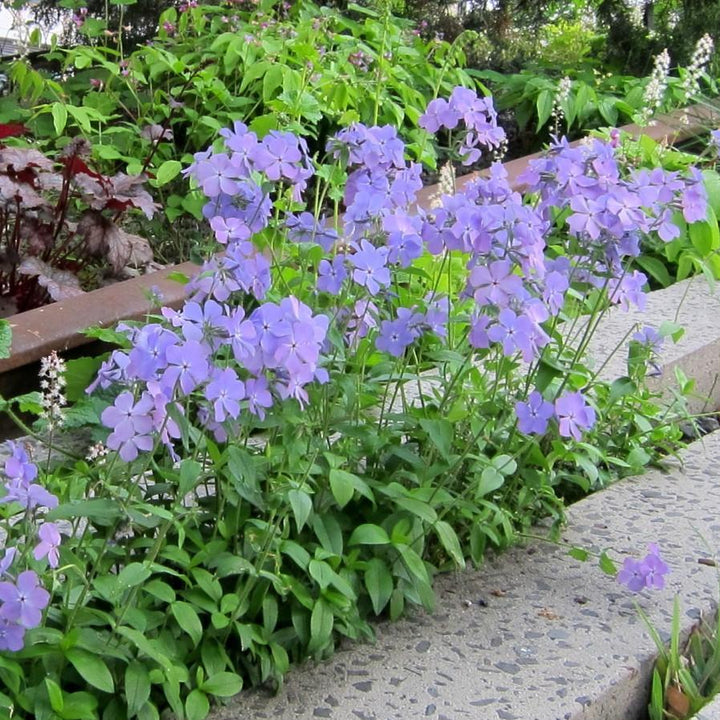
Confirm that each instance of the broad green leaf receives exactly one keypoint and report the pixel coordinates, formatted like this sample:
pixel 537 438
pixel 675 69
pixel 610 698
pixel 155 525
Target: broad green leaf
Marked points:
pixel 301 505
pixel 449 540
pixel 321 625
pixel 222 684
pixel 91 668
pixel 102 511
pixel 60 116
pixel 379 584
pixel 137 686
pixel 369 534
pixel 579 553
pixel 188 620
pixel 197 705
pixel 133 574
pixel 342 485
pixel 167 172
pixel 607 565
pixel 544 105
pixel 440 434
pixel 491 479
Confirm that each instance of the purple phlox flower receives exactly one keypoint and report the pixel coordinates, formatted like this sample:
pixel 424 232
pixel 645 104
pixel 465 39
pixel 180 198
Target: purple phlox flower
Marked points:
pixel 217 174
pixel 248 203
pixel 361 320
pixel 437 314
pixel 495 283
pixel 131 423
pixel 533 415
pixel 628 290
pixel 148 355
pixel 240 334
pixel 515 332
pixel 587 216
pixel 228 229
pixel 396 335
pixel 367 195
pixel 242 142
pixel 18 466
pixel 370 266
pixel 305 228
pixel 694 199
pixel 249 268
pixel 649 572
pixel 439 114
pixel 24 600
pixel 49 545
pixel 374 148
pixel 404 241
pixel 111 371
pixel 225 391
pixel 405 185
pixel 625 209
pixel 649 336
pixel 281 155
pixel 7 561
pixel 554 290
pixel 198 321
pixel 478 336
pixel 187 366
pixel 258 396
pixel 666 227
pixel 574 415
pixel 331 275
pixel 12 635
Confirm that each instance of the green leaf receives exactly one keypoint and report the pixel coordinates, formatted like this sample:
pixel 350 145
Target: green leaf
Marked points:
pixel 188 620
pixel 342 485
pixel 243 475
pixel 656 268
pixel 607 565
pixel 449 540
pixel 167 172
pixel 190 472
pixel 301 505
pixel 91 668
pixel 369 534
pixel 133 574
pixel 222 684
pixel 197 705
pixel 321 625
pixel 379 584
pixel 55 694
pixel 491 479
pixel 137 686
pixel 413 562
pixel 60 116
pixel 544 105
pixel 579 553
pixel 440 434
pixel 101 511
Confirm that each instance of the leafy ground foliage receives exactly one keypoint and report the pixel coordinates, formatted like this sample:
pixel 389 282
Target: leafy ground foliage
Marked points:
pixel 345 404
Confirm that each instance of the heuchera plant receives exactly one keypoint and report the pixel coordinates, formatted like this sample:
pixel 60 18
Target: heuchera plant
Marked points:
pixel 343 405
pixel 58 218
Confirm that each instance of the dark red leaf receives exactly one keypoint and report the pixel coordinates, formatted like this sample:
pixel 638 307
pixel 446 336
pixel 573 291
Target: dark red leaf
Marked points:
pixel 12 130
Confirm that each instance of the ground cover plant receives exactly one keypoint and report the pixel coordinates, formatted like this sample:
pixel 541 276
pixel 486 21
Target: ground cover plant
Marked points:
pixel 306 69
pixel 345 405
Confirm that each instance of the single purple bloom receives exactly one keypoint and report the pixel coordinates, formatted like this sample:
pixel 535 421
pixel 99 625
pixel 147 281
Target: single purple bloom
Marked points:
pixel 12 635
pixel 495 283
pixel 225 391
pixel 574 415
pixel 258 396
pixel 331 275
pixel 370 265
pixel 631 575
pixel 533 415
pixel 49 545
pixel 187 366
pixel 24 600
pixel 439 114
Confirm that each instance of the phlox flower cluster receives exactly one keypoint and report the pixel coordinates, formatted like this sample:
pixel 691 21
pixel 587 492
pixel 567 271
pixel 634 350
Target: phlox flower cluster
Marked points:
pixel 650 572
pixel 22 596
pixel 478 116
pixel 240 345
